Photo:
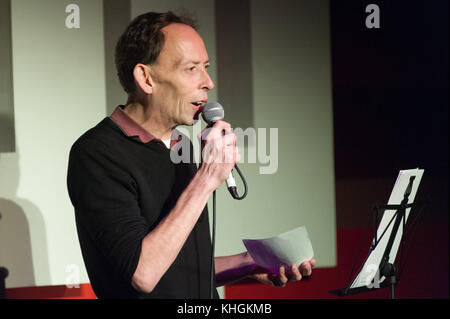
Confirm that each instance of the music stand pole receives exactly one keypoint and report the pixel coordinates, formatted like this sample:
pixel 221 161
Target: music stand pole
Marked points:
pixel 387 269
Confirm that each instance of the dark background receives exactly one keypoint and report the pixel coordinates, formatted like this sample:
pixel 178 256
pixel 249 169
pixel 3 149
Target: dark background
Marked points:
pixel 391 112
pixel 390 88
pixel 390 100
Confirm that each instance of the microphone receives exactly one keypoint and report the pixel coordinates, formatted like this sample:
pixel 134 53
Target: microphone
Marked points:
pixel 212 112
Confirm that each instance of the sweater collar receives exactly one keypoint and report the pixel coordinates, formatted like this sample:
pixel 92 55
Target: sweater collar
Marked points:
pixel 132 129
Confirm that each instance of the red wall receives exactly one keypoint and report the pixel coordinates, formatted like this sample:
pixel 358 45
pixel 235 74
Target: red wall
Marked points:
pixel 51 292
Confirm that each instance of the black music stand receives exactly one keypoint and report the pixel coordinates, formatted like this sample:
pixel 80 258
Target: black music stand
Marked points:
pixel 386 269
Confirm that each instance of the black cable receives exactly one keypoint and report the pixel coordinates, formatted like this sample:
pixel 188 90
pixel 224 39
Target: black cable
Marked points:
pixel 243 181
pixel 233 190
pixel 213 273
pixel 213 241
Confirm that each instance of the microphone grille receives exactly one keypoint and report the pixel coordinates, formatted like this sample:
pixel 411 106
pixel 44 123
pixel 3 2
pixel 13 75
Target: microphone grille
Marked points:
pixel 212 112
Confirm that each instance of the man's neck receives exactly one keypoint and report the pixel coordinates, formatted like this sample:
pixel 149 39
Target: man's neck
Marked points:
pixel 150 119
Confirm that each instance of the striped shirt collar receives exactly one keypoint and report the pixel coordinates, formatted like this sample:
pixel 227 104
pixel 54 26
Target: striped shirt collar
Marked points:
pixel 132 129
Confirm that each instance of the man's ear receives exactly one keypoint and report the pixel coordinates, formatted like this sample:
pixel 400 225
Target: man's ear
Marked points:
pixel 142 77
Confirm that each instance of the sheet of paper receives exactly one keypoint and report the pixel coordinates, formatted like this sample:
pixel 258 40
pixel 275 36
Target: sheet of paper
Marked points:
pixel 370 267
pixel 286 249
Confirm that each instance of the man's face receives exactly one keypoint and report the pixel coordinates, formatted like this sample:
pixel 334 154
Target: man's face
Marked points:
pixel 179 75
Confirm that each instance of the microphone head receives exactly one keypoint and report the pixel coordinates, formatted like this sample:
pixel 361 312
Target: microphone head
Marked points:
pixel 212 112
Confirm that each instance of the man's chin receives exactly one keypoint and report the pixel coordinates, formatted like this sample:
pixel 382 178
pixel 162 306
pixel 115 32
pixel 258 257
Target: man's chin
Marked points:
pixel 190 121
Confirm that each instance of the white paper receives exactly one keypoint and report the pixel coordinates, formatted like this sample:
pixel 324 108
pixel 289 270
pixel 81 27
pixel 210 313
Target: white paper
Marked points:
pixel 292 247
pixel 370 267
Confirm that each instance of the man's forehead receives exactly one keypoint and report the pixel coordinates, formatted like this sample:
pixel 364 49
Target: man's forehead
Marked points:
pixel 179 29
pixel 183 45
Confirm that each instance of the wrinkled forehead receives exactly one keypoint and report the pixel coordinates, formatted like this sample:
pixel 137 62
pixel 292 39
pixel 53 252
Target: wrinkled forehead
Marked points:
pixel 182 45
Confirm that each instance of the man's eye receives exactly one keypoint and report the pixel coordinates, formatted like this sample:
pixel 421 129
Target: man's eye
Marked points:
pixel 192 68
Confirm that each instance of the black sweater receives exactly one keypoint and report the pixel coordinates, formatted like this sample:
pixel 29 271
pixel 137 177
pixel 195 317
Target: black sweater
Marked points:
pixel 121 189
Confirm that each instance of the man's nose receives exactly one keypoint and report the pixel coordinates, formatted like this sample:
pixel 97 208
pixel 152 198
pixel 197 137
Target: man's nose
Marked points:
pixel 207 83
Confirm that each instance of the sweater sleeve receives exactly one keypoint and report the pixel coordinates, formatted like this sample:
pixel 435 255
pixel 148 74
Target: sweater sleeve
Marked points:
pixel 106 206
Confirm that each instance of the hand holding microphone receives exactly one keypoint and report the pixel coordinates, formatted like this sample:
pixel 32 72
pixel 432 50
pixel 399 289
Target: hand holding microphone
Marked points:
pixel 220 145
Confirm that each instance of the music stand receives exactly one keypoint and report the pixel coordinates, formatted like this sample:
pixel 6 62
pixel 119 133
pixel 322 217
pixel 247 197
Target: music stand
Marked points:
pixel 379 270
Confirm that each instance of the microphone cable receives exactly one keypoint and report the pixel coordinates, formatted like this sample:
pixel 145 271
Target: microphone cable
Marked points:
pixel 233 190
pixel 213 241
pixel 213 235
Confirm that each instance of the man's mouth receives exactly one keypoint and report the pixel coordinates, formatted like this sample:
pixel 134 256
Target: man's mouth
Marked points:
pixel 198 106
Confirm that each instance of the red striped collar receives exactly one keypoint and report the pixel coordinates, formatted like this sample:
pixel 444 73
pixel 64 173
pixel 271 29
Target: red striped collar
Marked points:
pixel 132 129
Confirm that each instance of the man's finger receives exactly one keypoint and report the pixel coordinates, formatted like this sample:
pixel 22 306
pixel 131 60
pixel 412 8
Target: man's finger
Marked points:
pixel 282 277
pixel 229 139
pixel 217 130
pixel 296 275
pixel 305 269
pixel 222 125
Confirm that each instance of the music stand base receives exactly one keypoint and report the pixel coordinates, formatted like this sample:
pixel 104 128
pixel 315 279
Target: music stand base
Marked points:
pixel 353 291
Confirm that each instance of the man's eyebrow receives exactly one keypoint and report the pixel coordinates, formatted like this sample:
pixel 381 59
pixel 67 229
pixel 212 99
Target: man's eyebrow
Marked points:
pixel 196 62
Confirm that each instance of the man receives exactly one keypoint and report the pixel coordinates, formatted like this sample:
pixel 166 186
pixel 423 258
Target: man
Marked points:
pixel 142 220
